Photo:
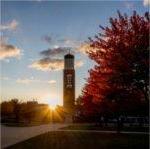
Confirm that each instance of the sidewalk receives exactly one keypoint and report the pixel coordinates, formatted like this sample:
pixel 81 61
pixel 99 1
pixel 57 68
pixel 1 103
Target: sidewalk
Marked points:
pixel 13 135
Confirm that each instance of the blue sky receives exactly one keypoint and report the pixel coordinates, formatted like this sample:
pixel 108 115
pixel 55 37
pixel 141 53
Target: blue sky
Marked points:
pixel 34 26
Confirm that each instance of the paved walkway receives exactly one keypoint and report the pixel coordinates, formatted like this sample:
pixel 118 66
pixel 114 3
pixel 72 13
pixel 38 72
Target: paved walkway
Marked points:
pixel 13 135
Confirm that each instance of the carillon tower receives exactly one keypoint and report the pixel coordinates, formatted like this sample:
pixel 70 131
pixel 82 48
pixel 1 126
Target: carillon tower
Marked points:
pixel 69 84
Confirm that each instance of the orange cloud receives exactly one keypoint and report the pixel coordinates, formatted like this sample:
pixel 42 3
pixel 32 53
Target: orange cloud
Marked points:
pixel 47 64
pixel 85 47
pixel 7 51
pixel 79 63
pixel 28 81
pixel 51 81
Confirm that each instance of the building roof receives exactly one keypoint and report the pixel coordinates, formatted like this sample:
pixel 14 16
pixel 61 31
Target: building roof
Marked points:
pixel 69 55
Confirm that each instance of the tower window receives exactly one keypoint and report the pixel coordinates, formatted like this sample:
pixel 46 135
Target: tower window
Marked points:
pixel 69 80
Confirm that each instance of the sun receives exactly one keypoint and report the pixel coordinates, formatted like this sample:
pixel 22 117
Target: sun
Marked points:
pixel 52 100
pixel 53 104
pixel 52 107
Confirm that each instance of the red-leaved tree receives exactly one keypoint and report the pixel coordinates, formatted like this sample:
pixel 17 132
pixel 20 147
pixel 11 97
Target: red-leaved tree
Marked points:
pixel 120 76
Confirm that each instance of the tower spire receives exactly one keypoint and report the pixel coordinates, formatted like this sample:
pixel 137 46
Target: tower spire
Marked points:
pixel 69 51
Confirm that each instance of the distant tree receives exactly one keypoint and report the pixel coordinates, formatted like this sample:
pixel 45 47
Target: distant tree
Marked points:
pixel 31 111
pixel 120 75
pixel 6 108
pixel 16 109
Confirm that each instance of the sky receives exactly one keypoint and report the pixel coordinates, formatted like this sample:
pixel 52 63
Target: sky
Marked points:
pixel 35 36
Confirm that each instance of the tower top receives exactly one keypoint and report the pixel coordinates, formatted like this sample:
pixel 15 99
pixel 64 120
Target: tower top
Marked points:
pixel 69 55
pixel 69 61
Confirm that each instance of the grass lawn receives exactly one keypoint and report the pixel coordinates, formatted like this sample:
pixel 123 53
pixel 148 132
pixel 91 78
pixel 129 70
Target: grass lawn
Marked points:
pixel 107 128
pixel 84 140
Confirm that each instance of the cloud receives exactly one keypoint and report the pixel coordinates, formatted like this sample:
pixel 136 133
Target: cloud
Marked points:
pixel 29 81
pixel 79 63
pixel 47 64
pixel 9 26
pixel 59 51
pixel 55 52
pixel 8 50
pixel 85 47
pixel 61 42
pixel 69 42
pixel 74 46
pixel 146 2
pixel 52 82
pixel 52 58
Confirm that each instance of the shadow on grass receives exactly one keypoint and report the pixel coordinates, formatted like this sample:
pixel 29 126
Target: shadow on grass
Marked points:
pixel 105 128
pixel 84 140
